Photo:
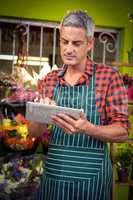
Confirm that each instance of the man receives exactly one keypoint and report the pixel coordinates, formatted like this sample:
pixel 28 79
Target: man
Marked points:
pixel 78 166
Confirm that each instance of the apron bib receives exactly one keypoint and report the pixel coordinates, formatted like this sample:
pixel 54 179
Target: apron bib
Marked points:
pixel 78 166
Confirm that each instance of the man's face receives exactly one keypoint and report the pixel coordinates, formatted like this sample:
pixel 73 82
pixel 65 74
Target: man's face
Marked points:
pixel 74 45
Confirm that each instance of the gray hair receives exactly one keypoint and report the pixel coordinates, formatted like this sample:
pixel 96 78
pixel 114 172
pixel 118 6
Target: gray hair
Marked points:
pixel 79 19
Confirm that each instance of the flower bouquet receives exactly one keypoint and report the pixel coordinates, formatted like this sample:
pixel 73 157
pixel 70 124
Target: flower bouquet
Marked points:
pixel 20 176
pixel 14 133
pixel 12 89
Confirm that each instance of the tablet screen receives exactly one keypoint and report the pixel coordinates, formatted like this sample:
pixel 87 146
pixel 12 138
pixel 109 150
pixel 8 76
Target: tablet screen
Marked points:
pixel 40 112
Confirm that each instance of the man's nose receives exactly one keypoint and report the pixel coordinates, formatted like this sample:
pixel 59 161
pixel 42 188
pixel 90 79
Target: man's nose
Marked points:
pixel 69 48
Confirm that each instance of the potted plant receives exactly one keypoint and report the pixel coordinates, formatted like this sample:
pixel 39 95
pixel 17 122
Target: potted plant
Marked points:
pixel 123 160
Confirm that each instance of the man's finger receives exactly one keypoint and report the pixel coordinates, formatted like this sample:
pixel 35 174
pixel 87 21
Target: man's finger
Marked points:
pixel 82 115
pixel 62 123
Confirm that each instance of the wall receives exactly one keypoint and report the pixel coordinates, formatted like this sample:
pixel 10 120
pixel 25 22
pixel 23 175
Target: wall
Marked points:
pixel 105 13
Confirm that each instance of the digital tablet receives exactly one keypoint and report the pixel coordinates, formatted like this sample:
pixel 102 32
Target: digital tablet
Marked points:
pixel 40 112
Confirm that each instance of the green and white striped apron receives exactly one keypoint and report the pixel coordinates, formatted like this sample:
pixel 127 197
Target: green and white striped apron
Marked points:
pixel 77 166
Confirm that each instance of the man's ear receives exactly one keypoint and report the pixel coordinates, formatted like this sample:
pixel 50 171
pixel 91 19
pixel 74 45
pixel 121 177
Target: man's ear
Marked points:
pixel 90 42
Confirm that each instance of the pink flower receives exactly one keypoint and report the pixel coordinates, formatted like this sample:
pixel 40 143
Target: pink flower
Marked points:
pixel 44 138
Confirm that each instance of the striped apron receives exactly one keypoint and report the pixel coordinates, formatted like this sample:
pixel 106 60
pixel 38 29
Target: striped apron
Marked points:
pixel 78 166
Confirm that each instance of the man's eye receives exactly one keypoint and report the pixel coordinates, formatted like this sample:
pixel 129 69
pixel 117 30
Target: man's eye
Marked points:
pixel 77 44
pixel 64 42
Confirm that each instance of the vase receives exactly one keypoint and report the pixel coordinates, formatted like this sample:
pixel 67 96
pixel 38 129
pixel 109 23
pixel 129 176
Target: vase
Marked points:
pixel 130 92
pixel 123 175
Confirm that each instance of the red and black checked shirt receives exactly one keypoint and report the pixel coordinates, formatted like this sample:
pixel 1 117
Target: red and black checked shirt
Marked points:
pixel 111 98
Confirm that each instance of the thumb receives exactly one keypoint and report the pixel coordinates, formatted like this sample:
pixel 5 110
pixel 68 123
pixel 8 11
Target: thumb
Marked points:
pixel 82 115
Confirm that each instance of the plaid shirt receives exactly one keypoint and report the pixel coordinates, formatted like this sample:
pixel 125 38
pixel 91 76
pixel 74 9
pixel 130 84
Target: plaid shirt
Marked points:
pixel 111 98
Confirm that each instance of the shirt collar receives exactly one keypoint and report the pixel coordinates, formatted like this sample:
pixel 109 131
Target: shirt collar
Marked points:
pixel 88 69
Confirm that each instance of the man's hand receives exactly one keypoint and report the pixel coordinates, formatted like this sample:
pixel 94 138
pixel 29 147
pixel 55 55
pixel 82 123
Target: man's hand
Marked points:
pixel 45 100
pixel 48 101
pixel 36 128
pixel 71 125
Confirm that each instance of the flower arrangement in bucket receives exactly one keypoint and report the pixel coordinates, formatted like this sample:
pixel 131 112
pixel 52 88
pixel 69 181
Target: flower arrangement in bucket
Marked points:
pixel 123 160
pixel 128 82
pixel 14 126
pixel 20 176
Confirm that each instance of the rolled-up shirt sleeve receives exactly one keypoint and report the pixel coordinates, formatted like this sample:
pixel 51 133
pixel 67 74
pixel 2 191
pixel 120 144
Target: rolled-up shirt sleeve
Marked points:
pixel 117 102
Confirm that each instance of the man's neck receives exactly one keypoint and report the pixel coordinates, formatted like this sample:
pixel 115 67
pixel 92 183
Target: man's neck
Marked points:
pixel 71 70
pixel 77 69
pixel 73 73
